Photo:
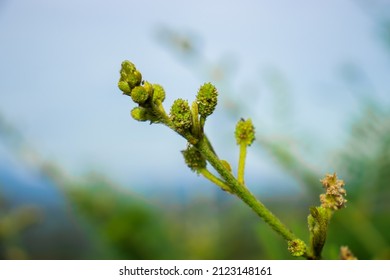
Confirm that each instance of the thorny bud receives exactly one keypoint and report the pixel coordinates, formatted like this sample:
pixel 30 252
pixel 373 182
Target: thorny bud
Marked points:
pixel 207 99
pixel 159 93
pixel 139 95
pixel 245 132
pixel 130 77
pixel 180 115
pixel 296 247
pixel 194 159
pixel 334 198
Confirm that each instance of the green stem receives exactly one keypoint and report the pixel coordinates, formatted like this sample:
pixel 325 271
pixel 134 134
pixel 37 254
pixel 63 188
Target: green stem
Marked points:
pixel 243 193
pixel 241 164
pixel 211 177
pixel 195 120
pixel 209 144
pixel 318 222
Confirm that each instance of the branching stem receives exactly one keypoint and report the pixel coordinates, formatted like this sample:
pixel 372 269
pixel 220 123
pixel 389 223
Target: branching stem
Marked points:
pixel 243 193
pixel 212 178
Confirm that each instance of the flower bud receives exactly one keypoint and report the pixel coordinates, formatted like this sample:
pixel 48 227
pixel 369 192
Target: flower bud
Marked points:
pixel 140 114
pixel 139 95
pixel 149 89
pixel 129 75
pixel 194 159
pixel 245 132
pixel 296 247
pixel 134 79
pixel 127 67
pixel 159 93
pixel 207 99
pixel 124 86
pixel 180 115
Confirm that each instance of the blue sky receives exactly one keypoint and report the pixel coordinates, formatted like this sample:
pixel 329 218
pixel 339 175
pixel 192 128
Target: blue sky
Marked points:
pixel 59 63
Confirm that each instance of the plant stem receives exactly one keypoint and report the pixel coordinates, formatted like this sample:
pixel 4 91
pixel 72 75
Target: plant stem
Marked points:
pixel 241 164
pixel 243 193
pixel 209 176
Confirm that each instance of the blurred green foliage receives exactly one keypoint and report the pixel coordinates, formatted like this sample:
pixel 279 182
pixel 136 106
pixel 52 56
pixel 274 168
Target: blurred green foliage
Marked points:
pixel 131 228
pixel 12 224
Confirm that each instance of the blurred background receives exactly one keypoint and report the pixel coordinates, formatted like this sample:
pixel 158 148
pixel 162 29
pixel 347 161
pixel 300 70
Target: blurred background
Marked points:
pixel 79 179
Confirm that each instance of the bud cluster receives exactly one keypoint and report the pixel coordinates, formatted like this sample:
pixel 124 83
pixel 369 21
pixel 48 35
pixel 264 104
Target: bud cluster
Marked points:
pixel 149 98
pixel 185 119
pixel 145 94
pixel 130 77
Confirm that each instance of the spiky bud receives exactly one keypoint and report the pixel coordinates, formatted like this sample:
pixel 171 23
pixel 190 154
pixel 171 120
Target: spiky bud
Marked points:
pixel 180 115
pixel 207 99
pixel 139 95
pixel 296 247
pixel 194 159
pixel 159 93
pixel 245 132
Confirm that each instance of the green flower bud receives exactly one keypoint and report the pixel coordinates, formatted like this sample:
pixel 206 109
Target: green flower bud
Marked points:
pixel 245 132
pixel 143 114
pixel 124 86
pixel 297 247
pixel 130 75
pixel 180 115
pixel 207 99
pixel 127 67
pixel 139 95
pixel 194 159
pixel 159 93
pixel 140 114
pixel 135 79
pixel 149 89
